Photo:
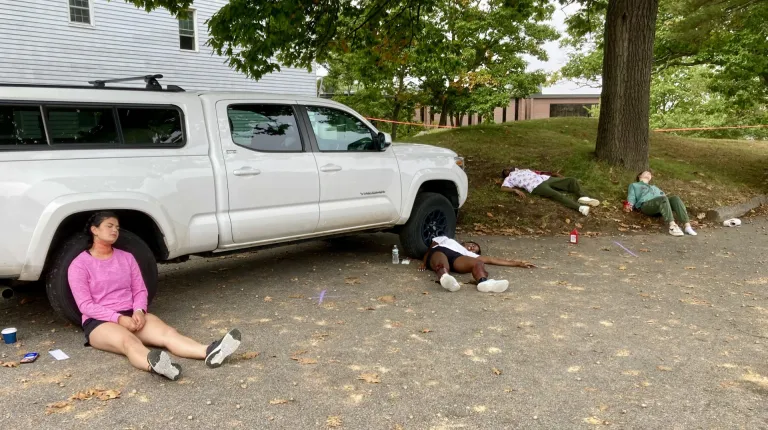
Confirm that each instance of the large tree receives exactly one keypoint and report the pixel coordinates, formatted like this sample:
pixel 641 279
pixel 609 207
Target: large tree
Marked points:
pixel 622 133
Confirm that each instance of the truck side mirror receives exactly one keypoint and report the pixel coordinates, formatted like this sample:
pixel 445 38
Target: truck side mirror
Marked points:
pixel 383 140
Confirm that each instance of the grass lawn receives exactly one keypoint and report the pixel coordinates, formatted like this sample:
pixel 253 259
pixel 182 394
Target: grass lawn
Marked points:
pixel 706 173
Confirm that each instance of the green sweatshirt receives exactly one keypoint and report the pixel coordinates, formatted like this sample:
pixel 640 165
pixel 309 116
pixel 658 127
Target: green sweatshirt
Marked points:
pixel 640 192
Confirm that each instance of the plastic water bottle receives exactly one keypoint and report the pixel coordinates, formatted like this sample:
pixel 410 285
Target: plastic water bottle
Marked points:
pixel 395 255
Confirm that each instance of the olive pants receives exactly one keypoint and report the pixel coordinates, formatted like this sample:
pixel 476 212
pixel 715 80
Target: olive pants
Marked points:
pixel 552 187
pixel 667 207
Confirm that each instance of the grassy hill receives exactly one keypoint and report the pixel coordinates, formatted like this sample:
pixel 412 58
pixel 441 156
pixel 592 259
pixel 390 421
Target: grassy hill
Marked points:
pixel 705 173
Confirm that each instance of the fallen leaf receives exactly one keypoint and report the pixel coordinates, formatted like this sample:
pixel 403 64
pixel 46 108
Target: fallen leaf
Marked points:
pixel 278 401
pixel 306 360
pixel 267 299
pixel 690 267
pixel 249 355
pixel 9 364
pixel 371 378
pixel 97 393
pixel 664 368
pixel 567 220
pixel 496 371
pixel 387 299
pixel 645 250
pixel 333 422
pixel 57 407
pixel 622 267
pixel 297 353
pixel 622 229
pixel 352 281
pixel 370 308
pixel 426 293
pixel 426 330
pixel 490 215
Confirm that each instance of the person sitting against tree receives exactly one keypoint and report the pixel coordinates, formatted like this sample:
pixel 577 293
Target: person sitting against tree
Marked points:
pixel 549 185
pixel 447 255
pixel 650 200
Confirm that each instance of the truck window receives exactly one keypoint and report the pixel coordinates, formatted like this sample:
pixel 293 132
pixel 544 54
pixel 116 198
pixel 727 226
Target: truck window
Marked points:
pixel 21 126
pixel 82 125
pixel 150 126
pixel 336 130
pixel 266 128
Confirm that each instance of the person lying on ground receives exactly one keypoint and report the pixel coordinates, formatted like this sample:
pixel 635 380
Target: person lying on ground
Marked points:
pixel 110 292
pixel 650 200
pixel 447 255
pixel 548 185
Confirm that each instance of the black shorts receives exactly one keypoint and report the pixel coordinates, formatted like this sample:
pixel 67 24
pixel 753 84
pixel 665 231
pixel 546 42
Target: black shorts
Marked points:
pixel 449 253
pixel 90 324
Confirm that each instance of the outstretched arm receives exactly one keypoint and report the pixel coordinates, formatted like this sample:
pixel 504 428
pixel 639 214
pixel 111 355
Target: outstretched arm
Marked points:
pixel 512 190
pixel 504 262
pixel 423 265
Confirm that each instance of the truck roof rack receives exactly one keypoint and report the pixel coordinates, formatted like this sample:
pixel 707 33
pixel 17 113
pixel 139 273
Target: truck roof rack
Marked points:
pixel 151 80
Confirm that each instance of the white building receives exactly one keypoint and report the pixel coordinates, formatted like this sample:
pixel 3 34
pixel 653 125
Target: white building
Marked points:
pixel 71 42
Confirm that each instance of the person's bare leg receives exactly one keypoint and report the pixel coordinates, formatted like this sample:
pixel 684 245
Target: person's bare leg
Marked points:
pixel 117 339
pixel 439 263
pixel 470 265
pixel 158 333
pixel 477 268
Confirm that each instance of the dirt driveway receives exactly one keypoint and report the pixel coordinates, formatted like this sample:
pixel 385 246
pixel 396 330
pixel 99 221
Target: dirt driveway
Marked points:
pixel 673 338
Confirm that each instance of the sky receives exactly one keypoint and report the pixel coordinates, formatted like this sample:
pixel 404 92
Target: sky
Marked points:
pixel 557 57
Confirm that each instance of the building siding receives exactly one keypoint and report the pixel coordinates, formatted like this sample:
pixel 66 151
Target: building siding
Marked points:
pixel 40 46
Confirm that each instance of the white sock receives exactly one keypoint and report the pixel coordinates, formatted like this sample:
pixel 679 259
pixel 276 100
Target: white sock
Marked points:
pixel 689 230
pixel 450 283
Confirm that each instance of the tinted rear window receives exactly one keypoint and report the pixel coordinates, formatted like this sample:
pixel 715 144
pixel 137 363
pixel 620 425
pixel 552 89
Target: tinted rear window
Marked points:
pixel 82 125
pixel 21 126
pixel 150 126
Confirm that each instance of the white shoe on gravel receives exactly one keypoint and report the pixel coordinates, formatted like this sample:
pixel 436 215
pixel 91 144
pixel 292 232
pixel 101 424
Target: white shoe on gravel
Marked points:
pixel 160 363
pixel 584 210
pixel 450 283
pixel 674 230
pixel 589 201
pixel 493 286
pixel 221 349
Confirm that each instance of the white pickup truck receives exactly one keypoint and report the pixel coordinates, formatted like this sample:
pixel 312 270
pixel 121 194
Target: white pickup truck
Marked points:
pixel 201 173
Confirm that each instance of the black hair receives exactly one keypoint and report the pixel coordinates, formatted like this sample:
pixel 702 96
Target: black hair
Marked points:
pixel 95 221
pixel 506 171
pixel 637 178
pixel 479 250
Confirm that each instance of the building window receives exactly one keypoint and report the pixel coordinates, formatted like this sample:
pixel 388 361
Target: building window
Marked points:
pixel 80 11
pixel 187 38
pixel 570 109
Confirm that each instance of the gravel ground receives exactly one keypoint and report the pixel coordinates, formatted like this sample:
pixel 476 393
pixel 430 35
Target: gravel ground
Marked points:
pixel 674 338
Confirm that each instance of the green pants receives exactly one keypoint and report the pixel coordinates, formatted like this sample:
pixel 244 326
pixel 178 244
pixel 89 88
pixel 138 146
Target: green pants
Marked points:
pixel 552 187
pixel 667 207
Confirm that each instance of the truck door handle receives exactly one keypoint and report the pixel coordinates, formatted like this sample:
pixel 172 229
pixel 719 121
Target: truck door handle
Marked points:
pixel 330 168
pixel 246 171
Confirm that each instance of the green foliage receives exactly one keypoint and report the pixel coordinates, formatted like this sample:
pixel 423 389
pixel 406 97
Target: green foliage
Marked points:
pixel 711 66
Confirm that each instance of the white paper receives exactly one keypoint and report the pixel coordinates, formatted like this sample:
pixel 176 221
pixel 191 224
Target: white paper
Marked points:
pixel 58 354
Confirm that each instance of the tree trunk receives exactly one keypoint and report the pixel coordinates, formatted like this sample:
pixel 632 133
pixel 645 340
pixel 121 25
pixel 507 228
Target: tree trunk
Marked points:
pixel 622 132
pixel 395 115
pixel 444 112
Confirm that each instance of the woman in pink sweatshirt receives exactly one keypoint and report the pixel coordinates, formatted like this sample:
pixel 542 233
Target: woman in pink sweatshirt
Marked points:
pixel 110 293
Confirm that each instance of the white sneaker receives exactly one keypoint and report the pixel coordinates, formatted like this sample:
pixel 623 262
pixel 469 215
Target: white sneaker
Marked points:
pixel 450 283
pixel 493 286
pixel 584 210
pixel 690 231
pixel 589 201
pixel 674 230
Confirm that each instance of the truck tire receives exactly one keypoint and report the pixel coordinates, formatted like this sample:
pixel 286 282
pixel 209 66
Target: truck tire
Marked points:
pixel 57 284
pixel 432 215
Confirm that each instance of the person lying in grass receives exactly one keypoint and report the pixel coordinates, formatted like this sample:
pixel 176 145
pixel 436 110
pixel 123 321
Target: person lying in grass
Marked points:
pixel 548 185
pixel 650 200
pixel 446 255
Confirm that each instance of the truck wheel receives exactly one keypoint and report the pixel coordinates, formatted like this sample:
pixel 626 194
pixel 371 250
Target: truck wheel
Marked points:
pixel 432 215
pixel 57 284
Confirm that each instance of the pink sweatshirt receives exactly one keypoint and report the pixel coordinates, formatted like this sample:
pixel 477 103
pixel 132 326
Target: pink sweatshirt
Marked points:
pixel 103 287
